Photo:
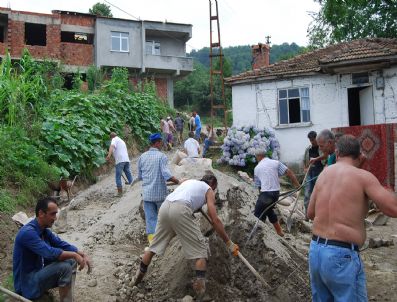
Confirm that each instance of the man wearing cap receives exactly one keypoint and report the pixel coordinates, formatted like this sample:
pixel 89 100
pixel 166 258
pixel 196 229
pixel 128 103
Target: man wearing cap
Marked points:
pixel 154 172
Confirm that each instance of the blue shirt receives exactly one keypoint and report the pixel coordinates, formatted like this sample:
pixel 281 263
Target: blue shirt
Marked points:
pixel 331 159
pixel 33 249
pixel 197 121
pixel 154 173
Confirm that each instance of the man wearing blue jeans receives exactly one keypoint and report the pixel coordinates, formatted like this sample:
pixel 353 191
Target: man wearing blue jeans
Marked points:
pixel 41 260
pixel 154 172
pixel 197 122
pixel 119 150
pixel 338 207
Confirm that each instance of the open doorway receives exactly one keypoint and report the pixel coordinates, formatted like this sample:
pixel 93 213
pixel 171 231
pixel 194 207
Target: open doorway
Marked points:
pixel 361 106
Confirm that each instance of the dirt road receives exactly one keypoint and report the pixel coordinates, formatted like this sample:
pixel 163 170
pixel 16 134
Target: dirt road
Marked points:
pixel 112 231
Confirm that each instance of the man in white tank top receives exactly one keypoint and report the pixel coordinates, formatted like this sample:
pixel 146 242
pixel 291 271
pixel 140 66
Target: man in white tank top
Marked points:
pixel 176 218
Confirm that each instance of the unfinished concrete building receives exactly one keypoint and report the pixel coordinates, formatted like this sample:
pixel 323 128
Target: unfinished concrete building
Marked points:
pixel 149 49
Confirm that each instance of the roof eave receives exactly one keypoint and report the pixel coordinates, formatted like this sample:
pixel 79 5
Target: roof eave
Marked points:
pixel 258 79
pixel 359 64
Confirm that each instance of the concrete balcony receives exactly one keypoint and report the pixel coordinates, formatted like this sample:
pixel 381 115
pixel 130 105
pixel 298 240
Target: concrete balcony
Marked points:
pixel 169 64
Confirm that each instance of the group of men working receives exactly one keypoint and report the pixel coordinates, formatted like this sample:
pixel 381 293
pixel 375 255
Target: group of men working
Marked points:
pixel 169 128
pixel 338 206
pixel 339 203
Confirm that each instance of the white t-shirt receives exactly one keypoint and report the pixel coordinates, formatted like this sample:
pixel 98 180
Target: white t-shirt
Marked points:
pixel 191 192
pixel 165 127
pixel 191 146
pixel 266 174
pixel 120 152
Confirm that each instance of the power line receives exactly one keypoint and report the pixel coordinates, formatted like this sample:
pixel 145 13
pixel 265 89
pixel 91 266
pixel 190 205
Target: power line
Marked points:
pixel 122 10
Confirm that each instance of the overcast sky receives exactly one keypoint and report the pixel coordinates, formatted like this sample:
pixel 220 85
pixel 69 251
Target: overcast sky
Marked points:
pixel 242 22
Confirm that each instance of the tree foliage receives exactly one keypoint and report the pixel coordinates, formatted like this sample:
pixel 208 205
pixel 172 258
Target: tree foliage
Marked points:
pixel 240 57
pixel 193 92
pixel 101 9
pixel 345 20
pixel 47 132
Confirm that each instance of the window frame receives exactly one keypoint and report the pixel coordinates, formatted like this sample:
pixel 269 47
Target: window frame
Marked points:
pixel 287 98
pixel 118 35
pixel 153 47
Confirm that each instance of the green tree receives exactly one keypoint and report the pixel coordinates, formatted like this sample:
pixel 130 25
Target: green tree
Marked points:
pixel 193 91
pixel 101 9
pixel 345 20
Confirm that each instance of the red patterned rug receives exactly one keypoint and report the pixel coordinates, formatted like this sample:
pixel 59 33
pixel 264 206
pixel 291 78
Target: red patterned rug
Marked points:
pixel 377 144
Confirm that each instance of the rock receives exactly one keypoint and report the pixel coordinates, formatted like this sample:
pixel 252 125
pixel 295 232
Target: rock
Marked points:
pixel 92 283
pixel 244 176
pixel 140 295
pixel 187 299
pixel 375 243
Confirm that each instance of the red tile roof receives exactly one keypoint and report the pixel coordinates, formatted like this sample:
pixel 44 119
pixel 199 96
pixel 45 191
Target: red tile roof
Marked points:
pixel 316 61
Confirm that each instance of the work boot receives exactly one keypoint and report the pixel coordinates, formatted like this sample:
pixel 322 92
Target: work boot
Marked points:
pixel 119 192
pixel 278 229
pixel 199 288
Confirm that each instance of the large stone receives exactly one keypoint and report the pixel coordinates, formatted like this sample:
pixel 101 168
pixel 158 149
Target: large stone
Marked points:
pixel 187 299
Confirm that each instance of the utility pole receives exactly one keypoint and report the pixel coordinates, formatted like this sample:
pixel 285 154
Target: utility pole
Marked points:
pixel 218 100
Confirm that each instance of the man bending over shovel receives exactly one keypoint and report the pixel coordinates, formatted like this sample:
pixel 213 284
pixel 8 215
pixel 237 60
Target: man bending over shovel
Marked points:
pixel 266 175
pixel 176 218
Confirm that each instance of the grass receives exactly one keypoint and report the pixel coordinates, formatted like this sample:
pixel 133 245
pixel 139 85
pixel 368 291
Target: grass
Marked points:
pixel 8 283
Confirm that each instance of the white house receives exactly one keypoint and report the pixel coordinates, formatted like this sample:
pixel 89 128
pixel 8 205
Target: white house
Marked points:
pixel 347 84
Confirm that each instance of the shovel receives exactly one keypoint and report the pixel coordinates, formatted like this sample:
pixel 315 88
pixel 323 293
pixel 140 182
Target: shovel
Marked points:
pixel 289 219
pixel 14 295
pixel 245 261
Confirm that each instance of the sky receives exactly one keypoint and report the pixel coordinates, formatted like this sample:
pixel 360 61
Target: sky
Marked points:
pixel 242 22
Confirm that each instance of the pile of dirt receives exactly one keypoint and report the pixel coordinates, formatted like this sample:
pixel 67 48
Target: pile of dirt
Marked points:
pixel 228 279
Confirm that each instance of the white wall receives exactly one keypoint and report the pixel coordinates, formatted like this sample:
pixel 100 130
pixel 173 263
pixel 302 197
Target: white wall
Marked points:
pixel 328 107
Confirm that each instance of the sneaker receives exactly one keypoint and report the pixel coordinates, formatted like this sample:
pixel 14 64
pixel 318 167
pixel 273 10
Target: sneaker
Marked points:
pixel 199 287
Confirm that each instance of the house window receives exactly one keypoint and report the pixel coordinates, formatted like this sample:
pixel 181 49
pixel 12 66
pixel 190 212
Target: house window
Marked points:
pixel 294 105
pixel 153 47
pixel 74 37
pixel 120 42
pixel 360 78
pixel 35 34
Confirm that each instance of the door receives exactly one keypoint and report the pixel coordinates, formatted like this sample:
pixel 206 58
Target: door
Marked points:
pixel 366 106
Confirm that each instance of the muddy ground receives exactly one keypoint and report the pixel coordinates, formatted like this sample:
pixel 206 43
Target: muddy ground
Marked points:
pixel 111 230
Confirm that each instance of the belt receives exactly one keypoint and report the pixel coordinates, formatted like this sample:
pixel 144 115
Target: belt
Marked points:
pixel 347 245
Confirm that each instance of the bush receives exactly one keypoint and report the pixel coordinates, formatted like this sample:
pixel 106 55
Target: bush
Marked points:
pixel 240 145
pixel 76 130
pixel 23 171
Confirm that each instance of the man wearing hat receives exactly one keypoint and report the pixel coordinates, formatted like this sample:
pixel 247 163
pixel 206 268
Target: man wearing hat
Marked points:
pixel 154 172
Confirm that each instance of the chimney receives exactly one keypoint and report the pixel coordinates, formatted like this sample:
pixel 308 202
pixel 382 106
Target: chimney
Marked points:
pixel 260 55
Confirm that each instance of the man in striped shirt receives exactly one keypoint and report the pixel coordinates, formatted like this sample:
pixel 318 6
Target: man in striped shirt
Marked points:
pixel 154 172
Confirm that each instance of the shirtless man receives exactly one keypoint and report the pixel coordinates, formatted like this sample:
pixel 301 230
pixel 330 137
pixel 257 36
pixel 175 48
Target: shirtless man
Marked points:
pixel 338 207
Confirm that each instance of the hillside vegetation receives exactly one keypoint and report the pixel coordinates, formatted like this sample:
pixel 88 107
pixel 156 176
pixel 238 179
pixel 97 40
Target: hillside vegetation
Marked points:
pixel 47 132
pixel 193 92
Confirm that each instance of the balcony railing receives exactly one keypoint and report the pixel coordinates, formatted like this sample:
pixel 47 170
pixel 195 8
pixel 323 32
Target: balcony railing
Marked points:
pixel 169 62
